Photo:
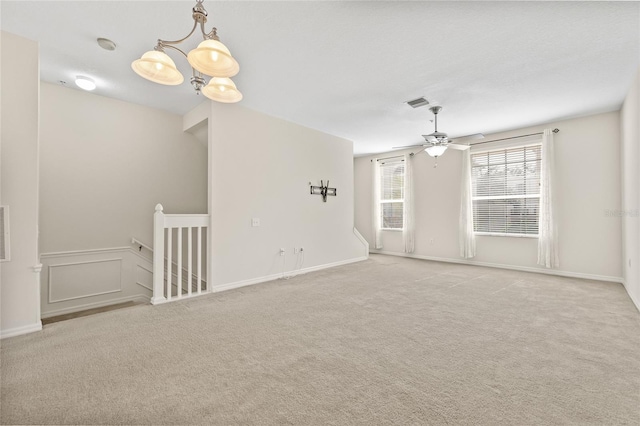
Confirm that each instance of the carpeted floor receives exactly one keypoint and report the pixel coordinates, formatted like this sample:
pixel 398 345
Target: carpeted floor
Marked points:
pixel 385 341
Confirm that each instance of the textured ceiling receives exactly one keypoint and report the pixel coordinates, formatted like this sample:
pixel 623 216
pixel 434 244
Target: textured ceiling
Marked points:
pixel 347 67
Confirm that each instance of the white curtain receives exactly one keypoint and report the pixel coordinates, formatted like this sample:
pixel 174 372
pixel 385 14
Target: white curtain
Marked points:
pixel 466 236
pixel 375 200
pixel 548 233
pixel 409 227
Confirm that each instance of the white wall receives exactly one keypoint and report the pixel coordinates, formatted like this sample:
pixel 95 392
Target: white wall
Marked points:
pixel 588 184
pixel 630 125
pixel 261 168
pixel 104 165
pixel 19 291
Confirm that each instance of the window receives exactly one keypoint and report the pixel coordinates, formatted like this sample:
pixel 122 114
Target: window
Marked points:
pixel 392 195
pixel 506 190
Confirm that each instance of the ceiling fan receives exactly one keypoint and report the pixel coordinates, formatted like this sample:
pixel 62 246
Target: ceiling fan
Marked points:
pixel 436 143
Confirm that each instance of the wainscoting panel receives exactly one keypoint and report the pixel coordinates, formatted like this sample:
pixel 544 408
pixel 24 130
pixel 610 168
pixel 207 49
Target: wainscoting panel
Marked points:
pixel 144 277
pixel 79 280
pixel 84 279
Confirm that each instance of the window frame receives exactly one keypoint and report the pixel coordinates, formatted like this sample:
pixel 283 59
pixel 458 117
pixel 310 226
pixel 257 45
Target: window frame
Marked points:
pixel 498 197
pixel 382 201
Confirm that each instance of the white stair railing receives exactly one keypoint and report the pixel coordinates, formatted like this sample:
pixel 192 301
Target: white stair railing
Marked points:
pixel 164 226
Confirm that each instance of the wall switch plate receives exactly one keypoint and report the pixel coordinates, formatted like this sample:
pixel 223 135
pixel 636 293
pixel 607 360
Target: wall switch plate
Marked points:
pixel 255 221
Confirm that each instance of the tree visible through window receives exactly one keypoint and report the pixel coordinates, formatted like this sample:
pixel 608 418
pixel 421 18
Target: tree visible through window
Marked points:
pixel 392 195
pixel 506 190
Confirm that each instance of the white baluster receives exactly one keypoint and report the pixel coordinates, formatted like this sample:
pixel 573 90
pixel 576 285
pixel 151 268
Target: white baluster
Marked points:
pixel 199 278
pixel 189 260
pixel 179 283
pixel 158 256
pixel 169 261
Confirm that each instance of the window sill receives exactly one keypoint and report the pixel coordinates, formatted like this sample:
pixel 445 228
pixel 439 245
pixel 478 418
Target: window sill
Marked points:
pixel 391 229
pixel 491 234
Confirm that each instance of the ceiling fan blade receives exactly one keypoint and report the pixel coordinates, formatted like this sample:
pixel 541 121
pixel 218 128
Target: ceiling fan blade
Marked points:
pixel 473 137
pixel 458 147
pixel 408 146
pixel 419 151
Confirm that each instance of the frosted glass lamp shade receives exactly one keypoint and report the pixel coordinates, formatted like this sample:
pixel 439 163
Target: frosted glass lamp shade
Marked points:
pixel 436 150
pixel 212 58
pixel 158 67
pixel 222 89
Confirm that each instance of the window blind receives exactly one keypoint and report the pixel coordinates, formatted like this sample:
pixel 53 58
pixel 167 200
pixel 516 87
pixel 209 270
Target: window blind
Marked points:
pixel 392 195
pixel 506 190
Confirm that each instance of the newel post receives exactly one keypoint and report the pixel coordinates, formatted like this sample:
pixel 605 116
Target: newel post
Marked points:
pixel 158 256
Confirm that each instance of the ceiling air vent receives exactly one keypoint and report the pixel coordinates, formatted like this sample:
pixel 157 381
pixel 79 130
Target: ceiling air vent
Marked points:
pixel 417 103
pixel 4 233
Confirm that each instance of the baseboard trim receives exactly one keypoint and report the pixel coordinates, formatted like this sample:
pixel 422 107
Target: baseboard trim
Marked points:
pixel 258 280
pixel 162 300
pixel 86 306
pixel 363 240
pixel 567 274
pixel 17 331
pixel 635 301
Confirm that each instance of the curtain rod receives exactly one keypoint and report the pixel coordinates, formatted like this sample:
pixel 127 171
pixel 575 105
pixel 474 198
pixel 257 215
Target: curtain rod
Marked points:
pixel 556 130
pixel 388 158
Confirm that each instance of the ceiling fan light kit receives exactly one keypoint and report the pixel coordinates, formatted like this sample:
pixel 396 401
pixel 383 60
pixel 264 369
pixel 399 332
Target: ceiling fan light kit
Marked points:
pixel 210 58
pixel 439 141
pixel 436 150
pixel 436 143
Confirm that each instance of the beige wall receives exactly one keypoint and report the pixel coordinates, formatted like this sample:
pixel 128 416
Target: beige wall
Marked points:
pixel 106 163
pixel 588 182
pixel 630 125
pixel 261 168
pixel 19 289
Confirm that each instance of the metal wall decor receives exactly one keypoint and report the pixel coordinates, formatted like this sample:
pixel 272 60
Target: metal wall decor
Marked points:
pixel 323 190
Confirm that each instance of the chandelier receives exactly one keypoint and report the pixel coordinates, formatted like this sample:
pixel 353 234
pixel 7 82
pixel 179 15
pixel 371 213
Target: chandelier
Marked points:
pixel 210 58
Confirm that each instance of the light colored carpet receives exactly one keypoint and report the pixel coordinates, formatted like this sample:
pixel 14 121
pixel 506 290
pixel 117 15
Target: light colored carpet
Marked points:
pixel 385 341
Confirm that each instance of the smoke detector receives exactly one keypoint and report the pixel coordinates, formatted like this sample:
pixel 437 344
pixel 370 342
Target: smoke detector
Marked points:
pixel 106 44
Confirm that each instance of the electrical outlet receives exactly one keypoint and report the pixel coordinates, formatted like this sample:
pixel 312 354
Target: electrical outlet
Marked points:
pixel 431 241
pixel 281 251
pixel 255 221
pixel 296 250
